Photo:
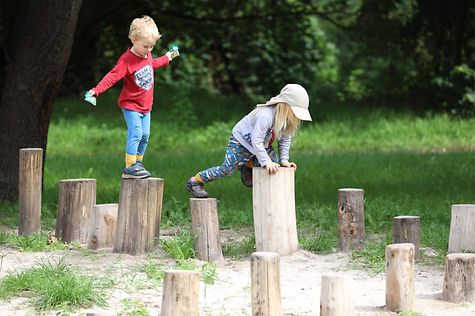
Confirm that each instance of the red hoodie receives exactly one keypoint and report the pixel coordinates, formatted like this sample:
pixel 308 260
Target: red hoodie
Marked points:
pixel 137 93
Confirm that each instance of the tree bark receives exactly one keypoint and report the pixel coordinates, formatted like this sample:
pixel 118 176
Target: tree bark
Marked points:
pixel 32 82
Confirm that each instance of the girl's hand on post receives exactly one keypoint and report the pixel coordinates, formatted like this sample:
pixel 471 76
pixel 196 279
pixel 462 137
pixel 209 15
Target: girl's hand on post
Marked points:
pixel 289 165
pixel 272 167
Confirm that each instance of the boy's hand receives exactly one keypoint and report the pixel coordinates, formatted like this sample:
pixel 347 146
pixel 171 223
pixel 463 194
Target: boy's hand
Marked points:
pixel 272 167
pixel 92 93
pixel 172 55
pixel 289 165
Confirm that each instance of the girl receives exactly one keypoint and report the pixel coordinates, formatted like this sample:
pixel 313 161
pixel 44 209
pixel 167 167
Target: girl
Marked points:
pixel 252 137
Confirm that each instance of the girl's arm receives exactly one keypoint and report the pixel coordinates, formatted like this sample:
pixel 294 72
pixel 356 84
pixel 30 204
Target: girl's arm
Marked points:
pixel 262 125
pixel 284 148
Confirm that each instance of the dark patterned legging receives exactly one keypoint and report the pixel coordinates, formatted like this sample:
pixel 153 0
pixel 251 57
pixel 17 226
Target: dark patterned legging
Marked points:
pixel 236 155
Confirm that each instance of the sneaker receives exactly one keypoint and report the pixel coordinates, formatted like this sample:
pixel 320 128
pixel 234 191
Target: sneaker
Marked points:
pixel 139 162
pixel 196 188
pixel 135 171
pixel 246 175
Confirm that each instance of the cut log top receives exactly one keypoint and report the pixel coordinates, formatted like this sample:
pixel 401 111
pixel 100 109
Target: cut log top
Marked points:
pixel 77 180
pixel 405 216
pixel 463 256
pixel 201 199
pixel 31 149
pixel 464 205
pixel 265 254
pixel 351 190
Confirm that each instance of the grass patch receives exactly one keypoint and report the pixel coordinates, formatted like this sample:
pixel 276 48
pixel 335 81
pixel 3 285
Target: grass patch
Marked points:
pixel 33 243
pixel 240 249
pixel 54 284
pixel 371 258
pixel 180 247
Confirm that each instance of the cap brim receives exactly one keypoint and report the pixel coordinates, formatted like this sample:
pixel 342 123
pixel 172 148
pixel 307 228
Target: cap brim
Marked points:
pixel 301 113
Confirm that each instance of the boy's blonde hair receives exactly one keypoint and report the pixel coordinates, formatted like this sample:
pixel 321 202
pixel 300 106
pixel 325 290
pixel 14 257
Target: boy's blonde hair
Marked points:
pixel 144 27
pixel 285 122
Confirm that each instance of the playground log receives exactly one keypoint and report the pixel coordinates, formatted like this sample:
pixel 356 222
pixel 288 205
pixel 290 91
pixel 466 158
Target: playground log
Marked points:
pixel 29 190
pixel 205 226
pixel 139 215
pixel 273 199
pixel 406 229
pixel 351 227
pixel 76 200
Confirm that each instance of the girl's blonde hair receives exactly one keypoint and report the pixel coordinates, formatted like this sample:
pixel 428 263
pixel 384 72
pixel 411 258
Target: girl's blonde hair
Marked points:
pixel 144 27
pixel 285 122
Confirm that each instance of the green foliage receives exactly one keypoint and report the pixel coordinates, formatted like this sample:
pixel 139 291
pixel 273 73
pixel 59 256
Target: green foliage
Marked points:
pixel 54 284
pixel 319 242
pixel 209 273
pixel 32 243
pixel 133 307
pixel 181 246
pixel 240 249
pixel 372 257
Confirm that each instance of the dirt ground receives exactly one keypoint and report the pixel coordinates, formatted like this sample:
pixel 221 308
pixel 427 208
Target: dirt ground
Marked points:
pixel 231 294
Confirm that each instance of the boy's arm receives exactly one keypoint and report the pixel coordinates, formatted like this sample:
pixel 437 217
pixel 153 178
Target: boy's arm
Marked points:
pixel 161 61
pixel 117 73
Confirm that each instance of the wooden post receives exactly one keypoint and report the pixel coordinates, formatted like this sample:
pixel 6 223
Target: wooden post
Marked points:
pixel 205 226
pixel 400 286
pixel 75 202
pixel 180 293
pixel 459 278
pixel 139 214
pixel 273 198
pixel 29 190
pixel 406 229
pixel 462 228
pixel 104 221
pixel 336 296
pixel 351 228
pixel 265 284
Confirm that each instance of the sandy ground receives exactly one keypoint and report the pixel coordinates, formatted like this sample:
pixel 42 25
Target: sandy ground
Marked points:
pixel 231 295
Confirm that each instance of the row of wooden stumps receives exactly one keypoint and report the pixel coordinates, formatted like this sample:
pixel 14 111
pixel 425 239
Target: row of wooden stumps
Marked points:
pixel 132 225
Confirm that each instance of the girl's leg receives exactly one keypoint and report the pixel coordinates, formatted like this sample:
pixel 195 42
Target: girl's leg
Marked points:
pixel 236 154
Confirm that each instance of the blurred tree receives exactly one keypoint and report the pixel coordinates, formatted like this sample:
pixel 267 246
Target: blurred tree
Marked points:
pixel 38 61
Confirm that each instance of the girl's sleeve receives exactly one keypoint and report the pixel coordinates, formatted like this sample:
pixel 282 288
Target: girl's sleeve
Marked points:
pixel 160 62
pixel 263 123
pixel 284 148
pixel 117 73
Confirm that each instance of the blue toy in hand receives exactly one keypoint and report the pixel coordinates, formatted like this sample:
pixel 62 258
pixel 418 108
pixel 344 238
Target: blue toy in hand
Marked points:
pixel 89 98
pixel 173 48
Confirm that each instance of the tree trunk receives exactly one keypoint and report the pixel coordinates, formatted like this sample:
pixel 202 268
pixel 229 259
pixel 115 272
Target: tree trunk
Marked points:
pixel 32 82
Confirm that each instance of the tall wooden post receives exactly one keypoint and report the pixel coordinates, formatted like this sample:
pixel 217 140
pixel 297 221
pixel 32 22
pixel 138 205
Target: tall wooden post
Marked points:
pixel 462 228
pixel 400 286
pixel 265 284
pixel 103 224
pixel 406 230
pixel 273 199
pixel 75 202
pixel 459 278
pixel 180 293
pixel 139 214
pixel 205 226
pixel 29 190
pixel 336 296
pixel 351 227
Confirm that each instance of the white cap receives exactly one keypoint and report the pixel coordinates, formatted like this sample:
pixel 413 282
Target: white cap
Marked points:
pixel 296 96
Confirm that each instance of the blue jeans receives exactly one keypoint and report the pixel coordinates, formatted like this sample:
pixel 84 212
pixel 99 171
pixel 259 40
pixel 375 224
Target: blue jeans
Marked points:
pixel 236 155
pixel 138 127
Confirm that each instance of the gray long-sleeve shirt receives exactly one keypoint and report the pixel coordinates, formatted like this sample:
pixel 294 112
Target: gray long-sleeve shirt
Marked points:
pixel 254 131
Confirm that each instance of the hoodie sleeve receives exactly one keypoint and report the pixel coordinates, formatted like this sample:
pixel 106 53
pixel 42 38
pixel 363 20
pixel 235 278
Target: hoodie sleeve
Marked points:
pixel 262 125
pixel 284 148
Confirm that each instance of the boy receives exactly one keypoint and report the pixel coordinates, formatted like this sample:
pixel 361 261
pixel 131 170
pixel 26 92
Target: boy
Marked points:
pixel 136 67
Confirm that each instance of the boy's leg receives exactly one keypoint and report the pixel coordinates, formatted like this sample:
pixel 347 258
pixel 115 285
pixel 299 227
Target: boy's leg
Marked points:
pixel 142 146
pixel 134 135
